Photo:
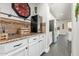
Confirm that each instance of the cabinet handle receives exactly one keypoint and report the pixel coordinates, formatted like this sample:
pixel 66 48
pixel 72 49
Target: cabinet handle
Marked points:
pixel 40 40
pixel 34 39
pixel 26 47
pixel 17 45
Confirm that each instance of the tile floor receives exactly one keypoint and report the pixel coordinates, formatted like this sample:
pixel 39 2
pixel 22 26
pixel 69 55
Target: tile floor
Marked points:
pixel 61 48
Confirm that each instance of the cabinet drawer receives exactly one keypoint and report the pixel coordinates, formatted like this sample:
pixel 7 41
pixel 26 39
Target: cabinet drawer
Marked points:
pixel 42 36
pixel 34 50
pixel 34 39
pixel 20 53
pixel 6 48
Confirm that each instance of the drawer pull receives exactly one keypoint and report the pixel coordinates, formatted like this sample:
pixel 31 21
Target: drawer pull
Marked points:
pixel 40 40
pixel 26 47
pixel 17 45
pixel 34 39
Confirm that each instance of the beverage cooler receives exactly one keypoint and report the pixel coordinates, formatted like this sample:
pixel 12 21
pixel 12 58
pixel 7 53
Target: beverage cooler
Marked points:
pixel 36 23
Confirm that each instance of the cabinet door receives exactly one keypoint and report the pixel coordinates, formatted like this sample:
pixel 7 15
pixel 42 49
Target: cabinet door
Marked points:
pixel 20 53
pixel 42 47
pixel 42 44
pixel 50 39
pixel 34 50
pixel 9 47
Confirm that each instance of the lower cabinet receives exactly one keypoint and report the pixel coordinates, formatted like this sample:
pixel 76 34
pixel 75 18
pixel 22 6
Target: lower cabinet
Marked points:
pixel 42 44
pixel 20 53
pixel 13 46
pixel 50 38
pixel 35 46
pixel 34 50
pixel 38 48
pixel 41 47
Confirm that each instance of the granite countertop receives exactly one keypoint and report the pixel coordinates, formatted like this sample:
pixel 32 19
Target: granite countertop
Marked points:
pixel 16 38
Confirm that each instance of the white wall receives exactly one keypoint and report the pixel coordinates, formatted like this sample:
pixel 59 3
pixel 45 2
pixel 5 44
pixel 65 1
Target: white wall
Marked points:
pixel 6 8
pixel 43 10
pixel 75 34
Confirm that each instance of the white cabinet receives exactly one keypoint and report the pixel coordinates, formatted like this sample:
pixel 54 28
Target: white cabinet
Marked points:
pixel 9 47
pixel 23 51
pixel 34 50
pixel 34 46
pixel 50 38
pixel 20 53
pixel 41 46
pixel 37 47
pixel 33 39
pixel 42 43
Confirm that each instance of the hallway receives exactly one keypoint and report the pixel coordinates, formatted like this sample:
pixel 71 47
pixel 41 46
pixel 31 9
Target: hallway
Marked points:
pixel 60 48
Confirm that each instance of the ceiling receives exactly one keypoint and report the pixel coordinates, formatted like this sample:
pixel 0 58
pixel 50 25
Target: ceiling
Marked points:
pixel 61 11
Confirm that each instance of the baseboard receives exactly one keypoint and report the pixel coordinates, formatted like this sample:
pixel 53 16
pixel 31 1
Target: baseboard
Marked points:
pixel 42 54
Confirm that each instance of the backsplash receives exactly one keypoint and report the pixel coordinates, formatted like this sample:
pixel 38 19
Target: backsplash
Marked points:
pixel 12 26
